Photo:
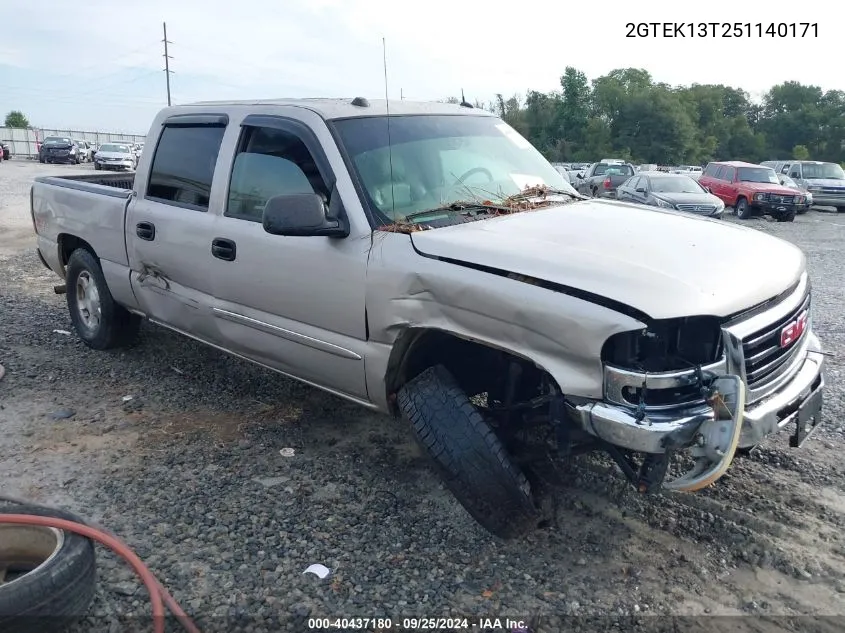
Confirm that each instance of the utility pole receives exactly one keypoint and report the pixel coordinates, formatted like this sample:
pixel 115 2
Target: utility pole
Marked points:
pixel 167 58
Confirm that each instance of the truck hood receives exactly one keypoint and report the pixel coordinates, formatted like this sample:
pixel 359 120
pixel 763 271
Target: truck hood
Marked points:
pixel 825 182
pixel 767 187
pixel 657 262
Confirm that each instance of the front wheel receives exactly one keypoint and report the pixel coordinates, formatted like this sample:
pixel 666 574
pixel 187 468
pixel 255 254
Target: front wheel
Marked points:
pixel 743 211
pixel 788 216
pixel 471 460
pixel 100 322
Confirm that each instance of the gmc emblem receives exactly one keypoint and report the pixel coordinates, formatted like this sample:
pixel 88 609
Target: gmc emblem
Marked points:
pixel 793 330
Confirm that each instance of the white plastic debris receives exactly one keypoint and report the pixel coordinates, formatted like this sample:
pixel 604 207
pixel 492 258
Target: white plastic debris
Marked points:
pixel 127 398
pixel 177 370
pixel 321 571
pixel 287 452
pixel 65 332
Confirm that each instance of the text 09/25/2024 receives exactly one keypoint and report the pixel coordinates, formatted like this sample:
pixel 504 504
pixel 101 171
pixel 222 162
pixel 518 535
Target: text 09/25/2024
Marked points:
pixel 722 29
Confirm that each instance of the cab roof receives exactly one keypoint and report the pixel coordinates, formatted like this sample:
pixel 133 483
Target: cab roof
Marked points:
pixel 346 108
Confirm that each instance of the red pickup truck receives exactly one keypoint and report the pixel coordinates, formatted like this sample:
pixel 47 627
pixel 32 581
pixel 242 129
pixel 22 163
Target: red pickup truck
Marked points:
pixel 752 190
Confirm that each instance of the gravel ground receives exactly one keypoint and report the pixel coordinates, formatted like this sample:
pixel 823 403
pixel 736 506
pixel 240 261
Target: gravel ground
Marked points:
pixel 189 472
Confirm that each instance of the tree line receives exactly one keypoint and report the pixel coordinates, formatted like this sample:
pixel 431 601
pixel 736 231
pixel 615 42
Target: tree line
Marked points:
pixel 626 114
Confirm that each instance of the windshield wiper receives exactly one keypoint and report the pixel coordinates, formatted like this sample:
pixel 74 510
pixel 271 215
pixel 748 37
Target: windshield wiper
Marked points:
pixel 459 207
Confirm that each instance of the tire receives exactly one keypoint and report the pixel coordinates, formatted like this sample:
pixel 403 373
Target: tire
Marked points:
pixel 111 325
pixel 57 591
pixel 470 458
pixel 97 166
pixel 743 211
pixel 41 159
pixel 789 216
pixel 840 209
pixel 802 211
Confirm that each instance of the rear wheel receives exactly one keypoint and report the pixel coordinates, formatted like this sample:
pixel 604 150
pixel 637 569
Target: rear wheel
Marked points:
pixel 471 459
pixel 743 211
pixel 100 322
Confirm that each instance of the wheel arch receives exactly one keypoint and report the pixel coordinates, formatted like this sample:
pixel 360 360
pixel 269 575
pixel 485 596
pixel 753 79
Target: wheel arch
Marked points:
pixel 420 347
pixel 68 243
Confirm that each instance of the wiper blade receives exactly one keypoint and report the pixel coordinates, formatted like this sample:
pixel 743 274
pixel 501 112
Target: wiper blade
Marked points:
pixel 459 207
pixel 542 192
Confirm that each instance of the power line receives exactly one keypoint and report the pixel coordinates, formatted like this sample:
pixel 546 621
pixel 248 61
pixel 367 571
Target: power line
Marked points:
pixel 167 58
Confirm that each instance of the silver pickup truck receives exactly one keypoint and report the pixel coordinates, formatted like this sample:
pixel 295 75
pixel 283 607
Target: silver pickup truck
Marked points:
pixel 431 264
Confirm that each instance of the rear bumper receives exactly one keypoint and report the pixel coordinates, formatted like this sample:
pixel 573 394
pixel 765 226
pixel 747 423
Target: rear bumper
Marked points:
pixel 617 425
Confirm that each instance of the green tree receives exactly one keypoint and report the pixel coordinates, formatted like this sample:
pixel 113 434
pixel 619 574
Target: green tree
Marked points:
pixel 800 152
pixel 16 118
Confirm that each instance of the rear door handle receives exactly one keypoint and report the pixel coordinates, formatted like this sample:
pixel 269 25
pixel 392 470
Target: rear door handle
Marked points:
pixel 146 231
pixel 223 249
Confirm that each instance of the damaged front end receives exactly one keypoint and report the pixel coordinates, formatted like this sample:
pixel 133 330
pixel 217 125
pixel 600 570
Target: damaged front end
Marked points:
pixel 706 389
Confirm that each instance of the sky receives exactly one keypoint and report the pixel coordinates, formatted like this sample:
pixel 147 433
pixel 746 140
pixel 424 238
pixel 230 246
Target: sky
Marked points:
pixel 96 65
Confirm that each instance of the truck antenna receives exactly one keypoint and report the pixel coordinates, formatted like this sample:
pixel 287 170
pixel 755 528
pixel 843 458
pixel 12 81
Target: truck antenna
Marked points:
pixel 389 145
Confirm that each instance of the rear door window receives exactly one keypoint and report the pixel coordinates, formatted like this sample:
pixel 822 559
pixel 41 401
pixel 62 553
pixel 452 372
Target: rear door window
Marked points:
pixel 183 166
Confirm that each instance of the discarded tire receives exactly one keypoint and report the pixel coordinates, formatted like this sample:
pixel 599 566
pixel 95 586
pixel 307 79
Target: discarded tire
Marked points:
pixel 98 320
pixel 472 461
pixel 47 576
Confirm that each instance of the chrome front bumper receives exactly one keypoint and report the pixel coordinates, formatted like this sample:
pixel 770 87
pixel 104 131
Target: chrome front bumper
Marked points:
pixel 618 425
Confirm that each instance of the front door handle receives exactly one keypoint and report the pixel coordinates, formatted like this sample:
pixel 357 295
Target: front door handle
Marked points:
pixel 146 231
pixel 223 249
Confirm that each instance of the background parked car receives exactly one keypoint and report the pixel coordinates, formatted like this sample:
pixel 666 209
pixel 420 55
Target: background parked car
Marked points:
pixel 826 181
pixel 677 192
pixel 786 181
pixel 59 149
pixel 602 179
pixel 751 190
pixel 115 156
pixel 84 150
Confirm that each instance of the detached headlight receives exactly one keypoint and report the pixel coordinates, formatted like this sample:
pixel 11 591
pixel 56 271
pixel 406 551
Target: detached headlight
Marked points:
pixel 663 204
pixel 720 206
pixel 809 198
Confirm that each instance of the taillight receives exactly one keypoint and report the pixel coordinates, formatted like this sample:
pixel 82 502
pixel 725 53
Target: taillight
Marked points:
pixel 607 183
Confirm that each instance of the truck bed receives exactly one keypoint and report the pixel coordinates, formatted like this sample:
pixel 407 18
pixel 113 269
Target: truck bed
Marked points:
pixel 117 184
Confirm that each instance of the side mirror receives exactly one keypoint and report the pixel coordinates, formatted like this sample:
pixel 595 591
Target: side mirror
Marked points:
pixel 302 215
pixel 640 189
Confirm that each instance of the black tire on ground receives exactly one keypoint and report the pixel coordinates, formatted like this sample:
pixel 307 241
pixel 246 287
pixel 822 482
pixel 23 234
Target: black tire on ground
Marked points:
pixel 840 209
pixel 41 159
pixel 114 325
pixel 97 166
pixel 471 460
pixel 803 211
pixel 743 211
pixel 55 593
pixel 788 216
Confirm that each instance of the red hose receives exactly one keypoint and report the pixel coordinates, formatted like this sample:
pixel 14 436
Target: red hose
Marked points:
pixel 159 596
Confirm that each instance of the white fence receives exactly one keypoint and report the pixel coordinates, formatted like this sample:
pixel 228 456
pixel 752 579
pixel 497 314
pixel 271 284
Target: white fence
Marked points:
pixel 24 143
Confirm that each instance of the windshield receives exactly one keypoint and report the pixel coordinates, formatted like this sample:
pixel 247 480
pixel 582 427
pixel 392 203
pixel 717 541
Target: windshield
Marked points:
pixel 681 184
pixel 57 139
pixel 758 174
pixel 437 160
pixel 613 170
pixel 822 170
pixel 113 147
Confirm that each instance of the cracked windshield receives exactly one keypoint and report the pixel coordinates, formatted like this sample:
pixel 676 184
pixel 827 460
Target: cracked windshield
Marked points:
pixel 429 162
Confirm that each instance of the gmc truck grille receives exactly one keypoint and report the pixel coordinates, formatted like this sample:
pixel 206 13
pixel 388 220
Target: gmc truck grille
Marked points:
pixel 769 352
